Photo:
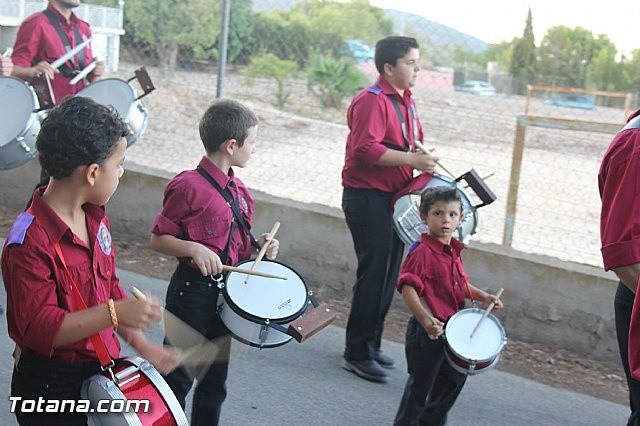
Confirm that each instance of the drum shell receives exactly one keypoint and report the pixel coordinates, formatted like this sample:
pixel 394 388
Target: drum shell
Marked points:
pixel 459 348
pixel 250 327
pixel 164 408
pixel 120 94
pixel 20 123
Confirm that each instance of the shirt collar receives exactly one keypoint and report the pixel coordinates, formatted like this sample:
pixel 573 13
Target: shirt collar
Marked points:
pixel 50 220
pixel 388 89
pixel 438 246
pixel 60 17
pixel 221 178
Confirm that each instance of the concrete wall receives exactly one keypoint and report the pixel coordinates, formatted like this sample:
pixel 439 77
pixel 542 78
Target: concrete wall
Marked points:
pixel 547 301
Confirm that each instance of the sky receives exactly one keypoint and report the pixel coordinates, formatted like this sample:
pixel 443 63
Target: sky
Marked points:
pixel 494 21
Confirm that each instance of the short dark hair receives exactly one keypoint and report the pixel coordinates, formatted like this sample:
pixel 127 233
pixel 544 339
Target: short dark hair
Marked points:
pixel 390 49
pixel 225 119
pixel 432 195
pixel 78 132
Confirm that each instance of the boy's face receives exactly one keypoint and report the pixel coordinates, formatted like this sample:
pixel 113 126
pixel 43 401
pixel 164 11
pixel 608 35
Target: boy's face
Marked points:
pixel 443 219
pixel 405 73
pixel 109 174
pixel 242 154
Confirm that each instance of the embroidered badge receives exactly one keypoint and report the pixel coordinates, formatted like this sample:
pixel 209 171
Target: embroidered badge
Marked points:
pixel 104 239
pixel 243 204
pixel 19 228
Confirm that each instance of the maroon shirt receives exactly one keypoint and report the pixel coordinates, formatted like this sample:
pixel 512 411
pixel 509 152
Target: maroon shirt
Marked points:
pixel 194 210
pixel 372 120
pixel 38 41
pixel 435 270
pixel 39 295
pixel 619 183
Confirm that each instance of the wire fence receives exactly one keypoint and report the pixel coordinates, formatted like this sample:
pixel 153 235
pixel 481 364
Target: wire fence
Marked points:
pixel 301 142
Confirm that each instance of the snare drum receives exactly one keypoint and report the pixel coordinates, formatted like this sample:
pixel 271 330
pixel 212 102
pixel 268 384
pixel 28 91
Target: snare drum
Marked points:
pixel 258 310
pixel 19 122
pixel 473 355
pixel 406 213
pixel 137 380
pixel 120 94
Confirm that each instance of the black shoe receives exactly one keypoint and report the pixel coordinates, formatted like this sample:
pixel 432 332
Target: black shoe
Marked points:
pixel 367 369
pixel 384 361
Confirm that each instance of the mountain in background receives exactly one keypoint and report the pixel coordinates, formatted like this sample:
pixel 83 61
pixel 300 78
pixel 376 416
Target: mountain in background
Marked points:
pixel 437 35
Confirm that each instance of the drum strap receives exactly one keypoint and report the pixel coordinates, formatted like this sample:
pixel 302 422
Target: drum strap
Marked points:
pixel 65 40
pixel 233 203
pixel 403 125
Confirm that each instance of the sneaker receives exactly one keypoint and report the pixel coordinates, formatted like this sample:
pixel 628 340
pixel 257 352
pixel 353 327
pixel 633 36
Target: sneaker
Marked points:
pixel 384 361
pixel 367 369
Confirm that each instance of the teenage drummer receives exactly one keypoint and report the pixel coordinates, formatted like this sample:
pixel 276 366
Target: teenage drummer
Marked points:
pixel 205 222
pixel 59 256
pixel 434 287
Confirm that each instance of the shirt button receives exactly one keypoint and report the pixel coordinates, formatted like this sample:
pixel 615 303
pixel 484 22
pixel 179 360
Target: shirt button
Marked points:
pixel 187 283
pixel 209 231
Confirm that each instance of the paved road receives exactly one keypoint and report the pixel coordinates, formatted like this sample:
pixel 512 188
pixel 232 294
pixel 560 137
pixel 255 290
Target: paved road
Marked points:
pixel 303 384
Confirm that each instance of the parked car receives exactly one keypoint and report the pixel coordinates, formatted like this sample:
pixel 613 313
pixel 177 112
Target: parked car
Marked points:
pixel 572 101
pixel 360 51
pixel 477 87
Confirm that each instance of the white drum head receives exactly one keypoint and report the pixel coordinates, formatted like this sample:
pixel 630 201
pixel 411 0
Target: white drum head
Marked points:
pixel 111 91
pixel 486 343
pixel 17 108
pixel 267 298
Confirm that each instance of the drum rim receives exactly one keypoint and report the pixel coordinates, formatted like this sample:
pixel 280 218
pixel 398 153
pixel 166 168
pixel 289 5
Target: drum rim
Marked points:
pixel 493 318
pixel 34 111
pixel 261 320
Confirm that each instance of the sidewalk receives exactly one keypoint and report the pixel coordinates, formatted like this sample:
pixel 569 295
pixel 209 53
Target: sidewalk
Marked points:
pixel 303 384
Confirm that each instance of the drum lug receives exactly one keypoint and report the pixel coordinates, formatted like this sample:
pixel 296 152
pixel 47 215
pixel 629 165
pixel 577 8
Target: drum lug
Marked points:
pixel 23 144
pixel 264 333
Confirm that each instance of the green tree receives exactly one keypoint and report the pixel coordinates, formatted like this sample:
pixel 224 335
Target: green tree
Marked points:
pixel 241 24
pixel 167 25
pixel 270 66
pixel 523 59
pixel 565 56
pixel 331 80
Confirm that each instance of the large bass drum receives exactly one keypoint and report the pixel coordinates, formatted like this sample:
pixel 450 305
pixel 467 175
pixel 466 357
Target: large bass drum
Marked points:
pixel 19 122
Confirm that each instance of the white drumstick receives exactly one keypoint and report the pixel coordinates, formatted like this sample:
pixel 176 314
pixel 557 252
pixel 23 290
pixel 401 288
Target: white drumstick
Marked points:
pixel 7 52
pixel 70 54
pixel 424 150
pixel 263 249
pixel 82 74
pixel 486 312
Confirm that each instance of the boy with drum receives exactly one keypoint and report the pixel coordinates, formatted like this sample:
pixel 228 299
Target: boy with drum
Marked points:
pixel 434 287
pixel 205 222
pixel 58 256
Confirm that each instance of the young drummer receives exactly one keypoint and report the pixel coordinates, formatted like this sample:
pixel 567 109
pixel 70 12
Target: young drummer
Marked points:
pixel 205 222
pixel 82 146
pixel 434 286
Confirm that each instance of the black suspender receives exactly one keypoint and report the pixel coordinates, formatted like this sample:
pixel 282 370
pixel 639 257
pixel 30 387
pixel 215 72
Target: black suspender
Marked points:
pixel 403 125
pixel 65 42
pixel 233 203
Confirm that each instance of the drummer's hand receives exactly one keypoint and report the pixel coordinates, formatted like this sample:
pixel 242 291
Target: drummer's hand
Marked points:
pixel 434 331
pixel 272 248
pixel 98 71
pixel 491 298
pixel 43 68
pixel 425 162
pixel 137 313
pixel 207 261
pixel 6 65
pixel 164 358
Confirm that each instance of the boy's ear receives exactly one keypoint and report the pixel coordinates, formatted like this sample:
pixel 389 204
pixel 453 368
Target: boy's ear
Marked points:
pixel 229 146
pixel 90 173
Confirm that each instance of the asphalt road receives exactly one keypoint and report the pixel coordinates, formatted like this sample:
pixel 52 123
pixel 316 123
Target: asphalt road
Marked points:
pixel 303 384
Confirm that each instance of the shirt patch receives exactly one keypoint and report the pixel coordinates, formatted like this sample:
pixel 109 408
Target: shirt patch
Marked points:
pixel 243 204
pixel 375 89
pixel 19 228
pixel 104 239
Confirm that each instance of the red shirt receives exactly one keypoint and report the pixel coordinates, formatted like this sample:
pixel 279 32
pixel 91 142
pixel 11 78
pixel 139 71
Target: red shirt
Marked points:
pixel 435 270
pixel 38 291
pixel 37 41
pixel 619 183
pixel 372 120
pixel 194 210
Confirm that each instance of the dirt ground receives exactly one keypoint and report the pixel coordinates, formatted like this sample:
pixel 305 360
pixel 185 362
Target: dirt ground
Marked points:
pixel 550 365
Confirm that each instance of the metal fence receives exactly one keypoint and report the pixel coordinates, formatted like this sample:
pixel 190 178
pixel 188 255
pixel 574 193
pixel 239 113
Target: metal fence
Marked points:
pixel 301 144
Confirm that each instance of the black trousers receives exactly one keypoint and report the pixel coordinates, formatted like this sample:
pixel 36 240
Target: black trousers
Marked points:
pixel 433 385
pixel 379 252
pixel 623 304
pixel 50 379
pixel 193 298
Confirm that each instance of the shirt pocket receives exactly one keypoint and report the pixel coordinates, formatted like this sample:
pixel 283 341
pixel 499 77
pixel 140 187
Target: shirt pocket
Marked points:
pixel 213 232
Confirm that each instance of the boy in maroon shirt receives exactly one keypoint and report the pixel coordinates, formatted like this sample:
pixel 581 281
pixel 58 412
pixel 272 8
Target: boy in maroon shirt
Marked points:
pixel 199 227
pixel 434 286
pixel 81 145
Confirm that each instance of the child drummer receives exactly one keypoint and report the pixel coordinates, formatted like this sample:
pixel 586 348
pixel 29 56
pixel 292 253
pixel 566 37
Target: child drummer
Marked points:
pixel 434 287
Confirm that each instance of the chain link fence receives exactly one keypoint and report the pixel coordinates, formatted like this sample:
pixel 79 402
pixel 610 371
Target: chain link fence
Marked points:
pixel 302 109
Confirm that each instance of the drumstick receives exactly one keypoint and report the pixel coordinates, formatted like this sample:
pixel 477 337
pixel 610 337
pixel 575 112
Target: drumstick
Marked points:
pixel 486 312
pixel 70 54
pixel 7 52
pixel 250 272
pixel 263 249
pixel 424 150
